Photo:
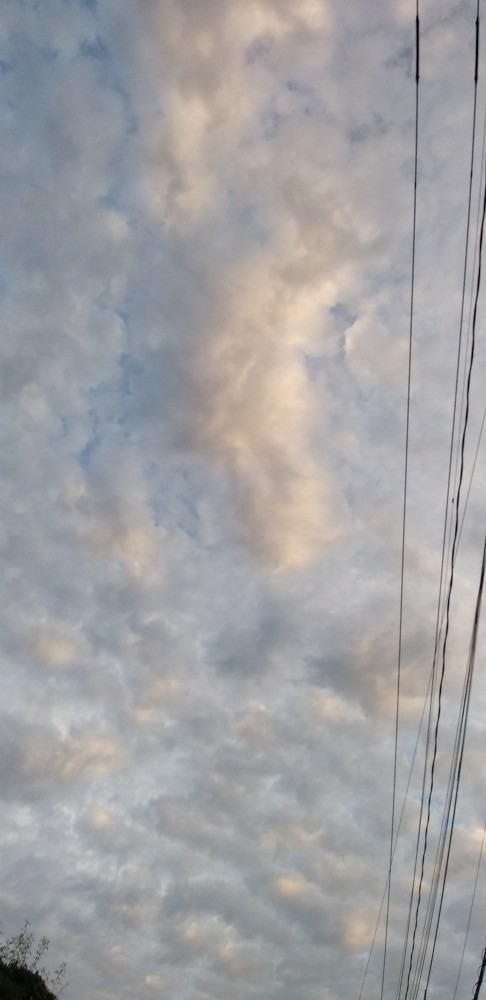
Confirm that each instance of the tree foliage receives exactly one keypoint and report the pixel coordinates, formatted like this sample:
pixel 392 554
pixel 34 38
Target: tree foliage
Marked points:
pixel 21 975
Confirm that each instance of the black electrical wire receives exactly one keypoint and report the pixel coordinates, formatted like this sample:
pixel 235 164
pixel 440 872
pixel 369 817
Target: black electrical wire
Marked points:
pixel 414 757
pixel 447 824
pixel 399 826
pixel 461 318
pixel 453 785
pixel 449 592
pixel 473 272
pixel 456 770
pixel 478 444
pixel 451 580
pixel 471 908
pixel 454 553
pixel 481 972
pixel 393 839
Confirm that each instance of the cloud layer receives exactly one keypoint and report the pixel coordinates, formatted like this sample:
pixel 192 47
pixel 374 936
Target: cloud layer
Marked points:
pixel 204 294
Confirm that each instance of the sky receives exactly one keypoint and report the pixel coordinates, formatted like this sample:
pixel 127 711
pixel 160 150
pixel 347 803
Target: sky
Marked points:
pixel 205 277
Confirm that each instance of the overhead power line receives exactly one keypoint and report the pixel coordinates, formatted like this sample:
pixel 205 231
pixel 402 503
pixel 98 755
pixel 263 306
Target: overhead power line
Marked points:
pixel 432 685
pixel 482 970
pixel 452 529
pixel 448 821
pixel 471 908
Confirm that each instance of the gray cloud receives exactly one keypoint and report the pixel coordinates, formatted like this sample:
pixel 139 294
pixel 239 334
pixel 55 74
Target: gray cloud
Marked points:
pixel 205 266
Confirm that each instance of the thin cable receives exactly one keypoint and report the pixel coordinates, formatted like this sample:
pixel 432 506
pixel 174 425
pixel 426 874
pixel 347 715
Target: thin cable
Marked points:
pixel 476 242
pixel 417 844
pixel 447 823
pixel 399 826
pixel 400 983
pixel 471 908
pixel 405 487
pixel 466 502
pixel 439 618
pixel 472 475
pixel 451 581
pixel 463 300
pixel 482 970
pixel 458 758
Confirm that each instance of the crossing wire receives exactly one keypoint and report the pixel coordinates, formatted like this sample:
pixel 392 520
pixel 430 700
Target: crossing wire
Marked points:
pixel 397 833
pixel 455 777
pixel 394 834
pixel 454 554
pixel 471 908
pixel 449 590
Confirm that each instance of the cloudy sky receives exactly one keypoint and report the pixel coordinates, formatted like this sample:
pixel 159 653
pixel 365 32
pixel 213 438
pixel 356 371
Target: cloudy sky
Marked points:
pixel 206 217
